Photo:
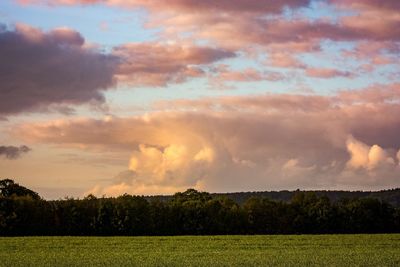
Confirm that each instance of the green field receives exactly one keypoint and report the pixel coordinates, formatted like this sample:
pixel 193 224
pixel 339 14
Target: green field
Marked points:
pixel 288 250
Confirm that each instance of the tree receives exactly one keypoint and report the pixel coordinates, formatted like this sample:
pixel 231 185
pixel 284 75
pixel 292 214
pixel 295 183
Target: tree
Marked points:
pixel 8 188
pixel 191 194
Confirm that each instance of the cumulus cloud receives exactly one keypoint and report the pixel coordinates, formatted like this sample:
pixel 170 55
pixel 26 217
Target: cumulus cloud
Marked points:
pixel 247 143
pixel 129 181
pixel 39 69
pixel 368 157
pixel 13 152
pixel 159 171
pixel 370 164
pixel 359 153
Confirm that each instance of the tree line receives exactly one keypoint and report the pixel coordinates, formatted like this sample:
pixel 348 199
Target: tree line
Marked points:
pixel 23 213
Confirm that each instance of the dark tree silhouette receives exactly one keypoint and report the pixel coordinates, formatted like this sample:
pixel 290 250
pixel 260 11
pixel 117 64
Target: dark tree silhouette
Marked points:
pixel 23 212
pixel 9 188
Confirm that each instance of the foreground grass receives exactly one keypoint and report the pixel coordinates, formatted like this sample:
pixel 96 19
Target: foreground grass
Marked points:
pixel 299 250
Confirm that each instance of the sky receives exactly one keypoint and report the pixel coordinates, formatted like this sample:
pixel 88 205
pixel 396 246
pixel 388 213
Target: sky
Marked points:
pixel 108 97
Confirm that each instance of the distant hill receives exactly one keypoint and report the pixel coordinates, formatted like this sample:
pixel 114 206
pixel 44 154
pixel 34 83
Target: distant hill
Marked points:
pixel 391 196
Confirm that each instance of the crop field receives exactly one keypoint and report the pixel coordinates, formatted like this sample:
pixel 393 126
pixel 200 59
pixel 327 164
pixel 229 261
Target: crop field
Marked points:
pixel 277 250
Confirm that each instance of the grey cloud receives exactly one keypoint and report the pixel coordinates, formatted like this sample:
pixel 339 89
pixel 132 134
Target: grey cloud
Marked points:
pixel 13 152
pixel 39 69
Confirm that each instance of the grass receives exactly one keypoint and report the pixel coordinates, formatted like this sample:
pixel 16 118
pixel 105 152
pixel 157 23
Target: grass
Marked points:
pixel 287 250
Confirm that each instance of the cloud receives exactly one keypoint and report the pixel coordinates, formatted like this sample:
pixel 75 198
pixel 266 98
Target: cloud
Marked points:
pixel 158 64
pixel 368 157
pixel 327 73
pixel 372 55
pixel 398 156
pixel 240 23
pixel 40 69
pixel 128 181
pixel 272 141
pixel 292 168
pixel 372 94
pixel 365 50
pixel 139 189
pixel 243 30
pixel 13 152
pixel 276 29
pixel 367 4
pixel 284 60
pixel 254 6
pixel 222 74
pixel 55 70
pixel 370 164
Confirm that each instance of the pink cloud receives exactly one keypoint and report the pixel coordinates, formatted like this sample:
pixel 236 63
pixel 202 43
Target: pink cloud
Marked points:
pixel 243 22
pixel 327 73
pixel 377 94
pixel 157 64
pixel 256 6
pixel 243 26
pixel 221 74
pixel 287 103
pixel 307 46
pixel 373 54
pixel 284 60
pixel 376 4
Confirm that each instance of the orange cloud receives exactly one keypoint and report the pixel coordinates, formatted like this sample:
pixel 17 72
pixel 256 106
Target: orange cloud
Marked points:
pixel 243 143
pixel 369 157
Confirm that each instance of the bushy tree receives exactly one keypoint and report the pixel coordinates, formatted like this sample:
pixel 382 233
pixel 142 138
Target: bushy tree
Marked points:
pixel 8 188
